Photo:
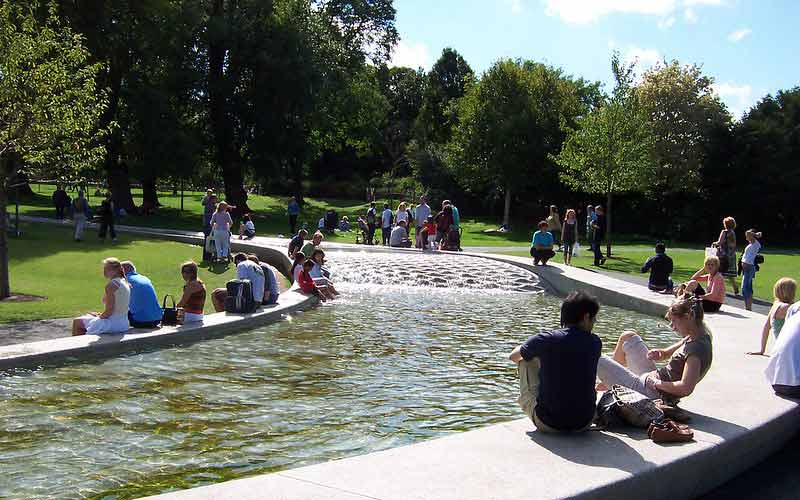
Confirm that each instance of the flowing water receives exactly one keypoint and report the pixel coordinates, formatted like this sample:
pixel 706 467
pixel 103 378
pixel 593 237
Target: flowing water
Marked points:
pixel 385 365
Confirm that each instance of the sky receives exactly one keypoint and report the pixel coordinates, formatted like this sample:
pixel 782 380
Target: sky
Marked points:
pixel 749 47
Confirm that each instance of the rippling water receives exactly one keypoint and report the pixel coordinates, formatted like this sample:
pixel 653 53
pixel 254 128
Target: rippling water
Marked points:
pixel 381 367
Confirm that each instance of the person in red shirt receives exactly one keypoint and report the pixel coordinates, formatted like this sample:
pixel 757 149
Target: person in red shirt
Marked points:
pixel 307 285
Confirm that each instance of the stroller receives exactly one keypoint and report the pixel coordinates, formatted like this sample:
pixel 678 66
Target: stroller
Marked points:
pixel 452 240
pixel 331 221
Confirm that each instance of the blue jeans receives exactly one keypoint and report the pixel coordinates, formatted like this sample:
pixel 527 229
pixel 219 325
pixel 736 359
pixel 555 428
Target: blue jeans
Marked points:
pixel 748 274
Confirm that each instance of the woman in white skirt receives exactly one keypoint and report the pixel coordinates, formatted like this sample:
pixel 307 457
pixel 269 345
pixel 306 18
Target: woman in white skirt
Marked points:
pixel 114 319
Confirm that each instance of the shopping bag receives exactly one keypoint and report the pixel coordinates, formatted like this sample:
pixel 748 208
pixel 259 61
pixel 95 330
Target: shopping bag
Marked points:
pixel 576 250
pixel 711 252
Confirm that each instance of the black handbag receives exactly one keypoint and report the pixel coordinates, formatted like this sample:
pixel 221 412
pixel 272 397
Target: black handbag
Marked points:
pixel 169 315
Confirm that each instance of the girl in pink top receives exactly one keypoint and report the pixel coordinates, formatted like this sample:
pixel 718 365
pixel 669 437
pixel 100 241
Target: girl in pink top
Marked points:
pixel 715 296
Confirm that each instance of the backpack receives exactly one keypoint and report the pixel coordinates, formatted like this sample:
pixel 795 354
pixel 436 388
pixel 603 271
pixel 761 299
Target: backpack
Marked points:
pixel 240 297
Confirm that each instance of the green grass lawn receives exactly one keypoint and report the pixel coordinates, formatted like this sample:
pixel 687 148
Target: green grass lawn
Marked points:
pixel 629 259
pixel 45 261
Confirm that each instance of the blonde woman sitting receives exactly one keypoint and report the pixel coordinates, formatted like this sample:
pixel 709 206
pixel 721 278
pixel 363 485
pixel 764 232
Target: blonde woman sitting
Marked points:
pixel 633 364
pixel 116 297
pixel 784 292
pixel 715 296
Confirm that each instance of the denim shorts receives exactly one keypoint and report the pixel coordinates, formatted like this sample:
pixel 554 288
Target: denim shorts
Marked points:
pixel 748 274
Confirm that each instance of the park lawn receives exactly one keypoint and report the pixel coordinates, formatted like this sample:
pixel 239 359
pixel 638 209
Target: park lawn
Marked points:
pixel 45 261
pixel 630 258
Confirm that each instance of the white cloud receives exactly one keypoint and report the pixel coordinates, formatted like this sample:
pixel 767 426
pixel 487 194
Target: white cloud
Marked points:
pixel 516 6
pixel 738 98
pixel 704 2
pixel 739 35
pixel 411 55
pixel 586 11
pixel 644 58
pixel 666 23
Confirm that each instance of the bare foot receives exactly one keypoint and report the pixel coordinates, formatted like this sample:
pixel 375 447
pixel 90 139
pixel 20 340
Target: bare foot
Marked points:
pixel 600 387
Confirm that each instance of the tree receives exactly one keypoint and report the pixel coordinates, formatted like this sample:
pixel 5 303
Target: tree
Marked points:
pixel 446 82
pixel 509 125
pixel 49 104
pixel 682 109
pixel 403 89
pixel 609 151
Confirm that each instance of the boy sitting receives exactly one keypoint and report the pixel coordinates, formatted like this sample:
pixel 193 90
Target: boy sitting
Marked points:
pixel 660 267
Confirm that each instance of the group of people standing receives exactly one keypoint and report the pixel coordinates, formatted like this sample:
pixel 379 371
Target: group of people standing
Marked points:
pixel 553 231
pixel 432 231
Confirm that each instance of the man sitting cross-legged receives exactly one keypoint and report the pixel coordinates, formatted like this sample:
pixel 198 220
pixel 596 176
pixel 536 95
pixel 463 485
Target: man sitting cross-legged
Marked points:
pixel 557 369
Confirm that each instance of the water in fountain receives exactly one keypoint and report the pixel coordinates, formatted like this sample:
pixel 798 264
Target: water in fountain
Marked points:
pixel 430 270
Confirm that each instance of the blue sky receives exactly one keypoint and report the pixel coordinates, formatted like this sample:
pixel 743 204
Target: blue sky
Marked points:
pixel 749 47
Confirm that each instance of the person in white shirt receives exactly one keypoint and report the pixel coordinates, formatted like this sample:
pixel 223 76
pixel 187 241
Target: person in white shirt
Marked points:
pixel 421 215
pixel 247 229
pixel 749 266
pixel 245 270
pixel 783 369
pixel 386 223
pixel 399 236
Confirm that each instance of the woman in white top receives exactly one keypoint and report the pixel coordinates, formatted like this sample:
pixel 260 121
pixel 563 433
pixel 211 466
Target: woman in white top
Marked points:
pixel 114 319
pixel 749 266
pixel 221 223
pixel 783 368
pixel 401 213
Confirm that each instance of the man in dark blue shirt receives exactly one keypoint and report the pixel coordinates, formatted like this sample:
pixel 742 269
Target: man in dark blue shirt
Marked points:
pixel 558 369
pixel 660 267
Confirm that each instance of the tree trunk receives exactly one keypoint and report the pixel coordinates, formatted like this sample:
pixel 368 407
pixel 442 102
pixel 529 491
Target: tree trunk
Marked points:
pixel 149 192
pixel 507 208
pixel 118 181
pixel 221 124
pixel 608 225
pixel 120 186
pixel 5 284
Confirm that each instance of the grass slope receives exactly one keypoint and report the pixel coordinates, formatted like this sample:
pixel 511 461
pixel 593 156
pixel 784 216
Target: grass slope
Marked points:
pixel 46 261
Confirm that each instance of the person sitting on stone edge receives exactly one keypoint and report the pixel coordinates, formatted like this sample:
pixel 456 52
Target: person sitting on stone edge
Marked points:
pixel 542 245
pixel 660 267
pixel 144 311
pixel 557 369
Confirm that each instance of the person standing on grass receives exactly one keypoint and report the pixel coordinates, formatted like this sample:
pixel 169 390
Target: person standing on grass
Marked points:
pixel 569 235
pixel 106 213
pixel 660 267
pixel 80 212
pixel 557 369
pixel 599 233
pixel 591 217
pixel 60 200
pixel 726 251
pixel 784 292
pixel 372 220
pixel 749 267
pixel 144 311
pixel 293 211
pixel 221 223
pixel 542 245
pixel 554 224
pixel 422 212
pixel 386 224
